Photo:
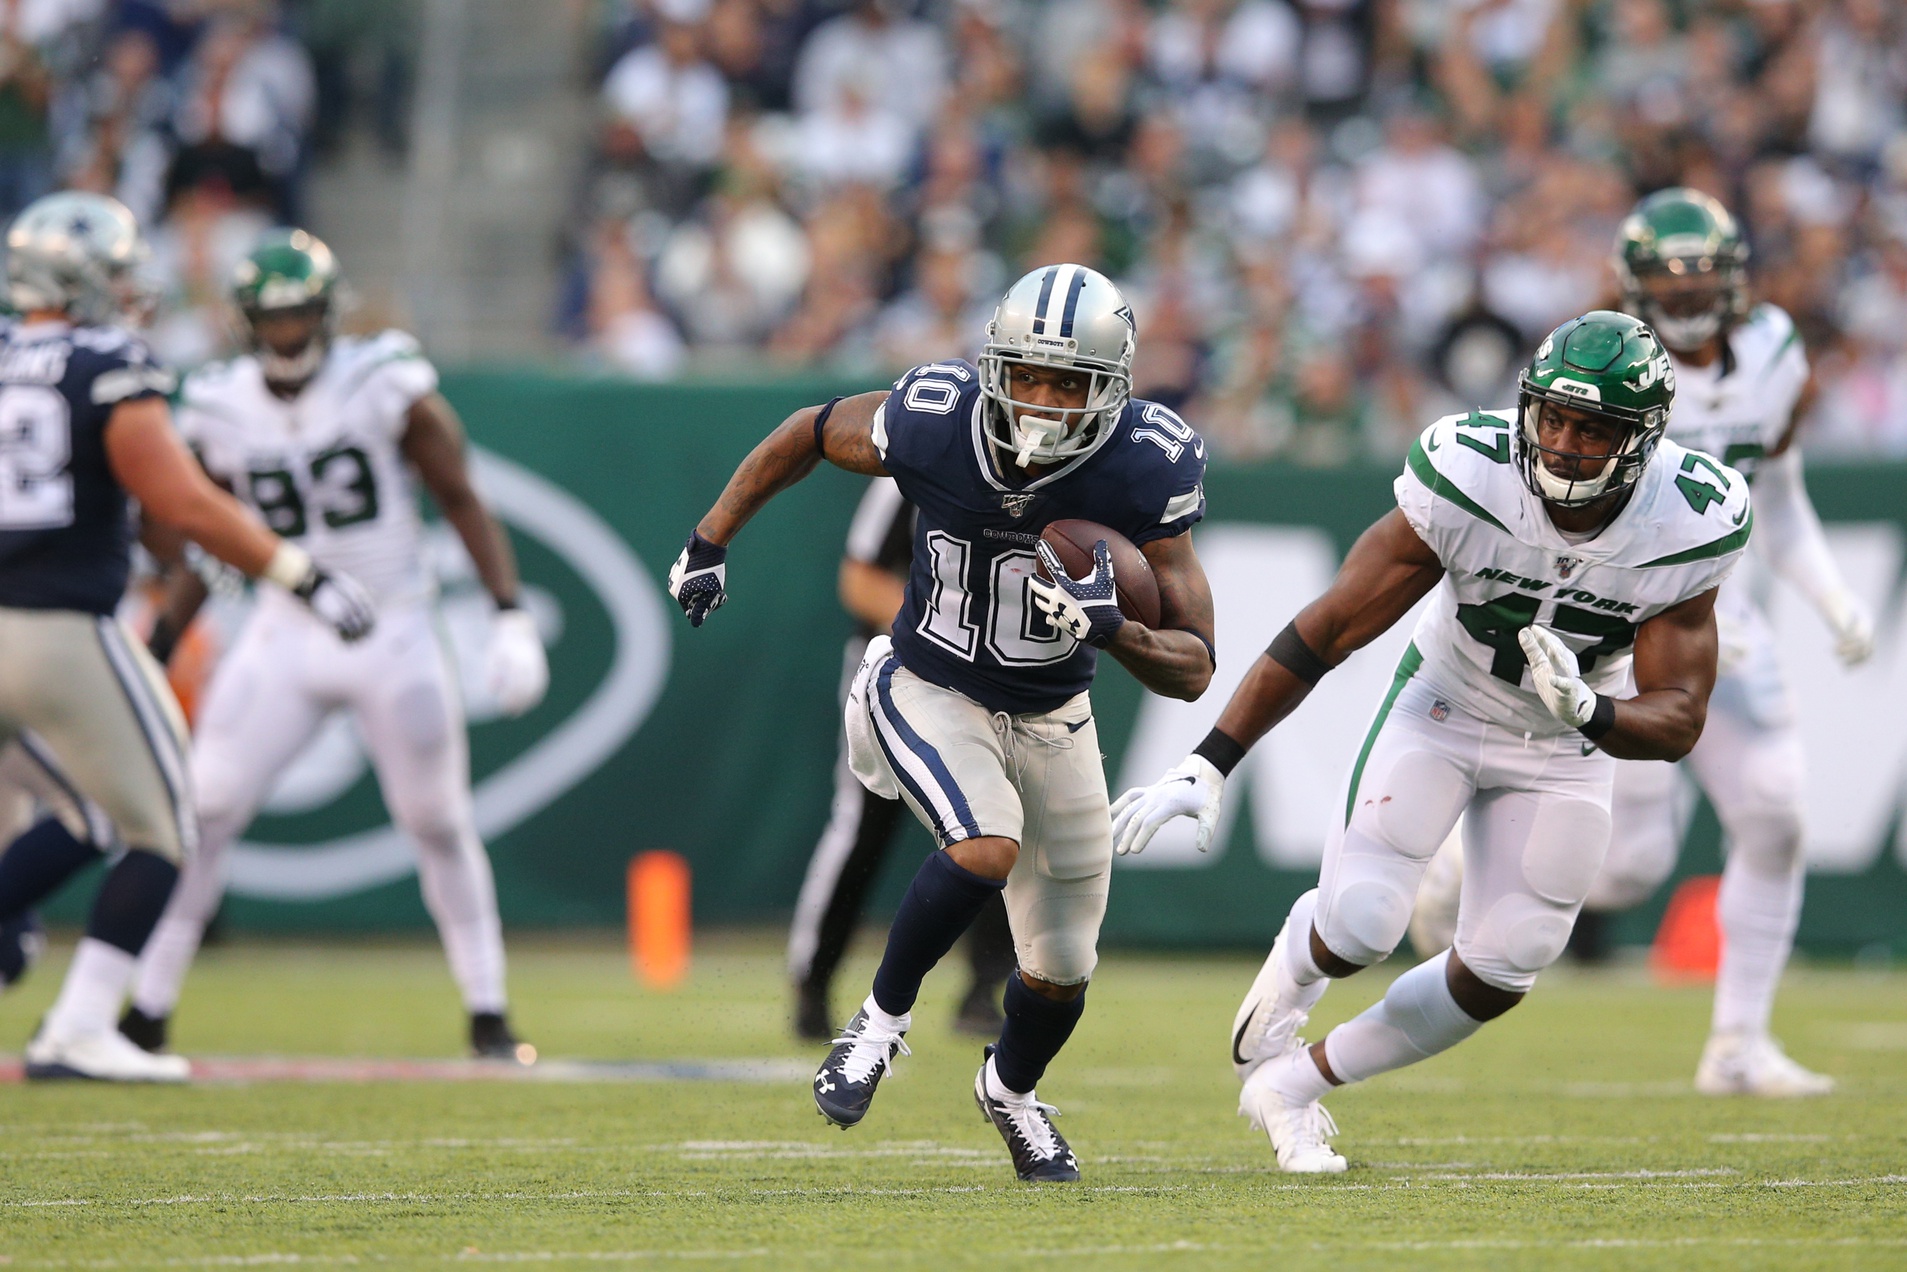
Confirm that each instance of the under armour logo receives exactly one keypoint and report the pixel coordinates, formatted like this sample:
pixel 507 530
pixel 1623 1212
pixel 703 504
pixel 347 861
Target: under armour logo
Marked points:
pixel 1016 505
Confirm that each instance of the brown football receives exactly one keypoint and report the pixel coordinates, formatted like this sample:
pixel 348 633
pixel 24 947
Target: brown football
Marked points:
pixel 1072 542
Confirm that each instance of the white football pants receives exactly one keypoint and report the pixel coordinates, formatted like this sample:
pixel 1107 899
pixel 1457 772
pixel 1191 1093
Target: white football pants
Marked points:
pixel 1536 824
pixel 270 693
pixel 1752 767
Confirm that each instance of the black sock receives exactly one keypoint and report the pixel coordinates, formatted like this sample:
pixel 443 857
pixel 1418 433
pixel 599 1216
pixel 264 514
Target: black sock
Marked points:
pixel 940 904
pixel 1036 1028
pixel 131 900
pixel 37 863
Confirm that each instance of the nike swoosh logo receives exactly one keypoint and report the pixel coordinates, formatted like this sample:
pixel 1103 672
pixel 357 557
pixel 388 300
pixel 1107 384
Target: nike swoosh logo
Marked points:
pixel 1741 516
pixel 1589 748
pixel 1075 728
pixel 1240 1036
pixel 1187 778
pixel 1430 444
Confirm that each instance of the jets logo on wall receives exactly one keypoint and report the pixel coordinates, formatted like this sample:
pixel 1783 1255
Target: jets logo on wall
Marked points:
pixel 611 576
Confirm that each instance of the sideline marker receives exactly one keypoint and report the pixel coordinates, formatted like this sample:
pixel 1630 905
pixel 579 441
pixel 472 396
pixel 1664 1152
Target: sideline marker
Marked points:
pixel 660 924
pixel 1688 945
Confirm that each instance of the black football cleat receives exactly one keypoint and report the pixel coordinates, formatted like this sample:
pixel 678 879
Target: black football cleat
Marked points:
pixel 491 1039
pixel 148 1033
pixel 862 1055
pixel 812 1015
pixel 1040 1153
pixel 22 941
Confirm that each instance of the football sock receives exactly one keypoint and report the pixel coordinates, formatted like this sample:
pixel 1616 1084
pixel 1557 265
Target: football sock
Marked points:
pixel 940 904
pixel 1296 1077
pixel 131 899
pixel 461 894
pixel 38 862
pixel 168 955
pixel 1416 1018
pixel 89 998
pixel 1036 1028
pixel 1757 915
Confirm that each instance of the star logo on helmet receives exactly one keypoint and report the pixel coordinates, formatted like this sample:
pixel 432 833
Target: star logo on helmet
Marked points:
pixel 80 226
pixel 1124 312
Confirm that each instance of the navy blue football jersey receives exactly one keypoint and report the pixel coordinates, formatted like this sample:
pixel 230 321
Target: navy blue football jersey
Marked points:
pixel 65 523
pixel 969 623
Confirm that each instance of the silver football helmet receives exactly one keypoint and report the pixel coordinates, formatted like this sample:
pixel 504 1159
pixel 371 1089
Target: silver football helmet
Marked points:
pixel 1057 316
pixel 78 253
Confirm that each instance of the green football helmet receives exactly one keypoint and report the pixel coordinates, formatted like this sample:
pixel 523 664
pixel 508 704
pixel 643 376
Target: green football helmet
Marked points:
pixel 1603 364
pixel 289 271
pixel 1683 266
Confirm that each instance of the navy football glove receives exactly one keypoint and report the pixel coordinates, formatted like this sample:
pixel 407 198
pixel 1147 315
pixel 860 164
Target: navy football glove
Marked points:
pixel 698 582
pixel 1088 607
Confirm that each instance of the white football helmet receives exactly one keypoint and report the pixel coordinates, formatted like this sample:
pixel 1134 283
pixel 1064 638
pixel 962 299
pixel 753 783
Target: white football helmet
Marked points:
pixel 1058 316
pixel 75 252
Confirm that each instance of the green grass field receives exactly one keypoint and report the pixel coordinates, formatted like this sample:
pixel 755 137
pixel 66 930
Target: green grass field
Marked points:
pixel 1564 1136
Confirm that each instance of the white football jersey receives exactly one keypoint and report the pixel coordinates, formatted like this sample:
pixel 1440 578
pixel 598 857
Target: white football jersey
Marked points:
pixel 1507 566
pixel 1741 416
pixel 324 469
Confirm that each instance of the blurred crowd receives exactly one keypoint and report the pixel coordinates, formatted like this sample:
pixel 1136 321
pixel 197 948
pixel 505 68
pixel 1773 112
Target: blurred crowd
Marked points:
pixel 1335 219
pixel 202 116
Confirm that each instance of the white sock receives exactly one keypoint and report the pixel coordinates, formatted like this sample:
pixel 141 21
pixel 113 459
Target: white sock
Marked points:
pixel 461 894
pixel 1298 961
pixel 1297 1077
pixel 1757 915
pixel 95 985
pixel 883 1021
pixel 1414 1020
pixel 998 1090
pixel 163 964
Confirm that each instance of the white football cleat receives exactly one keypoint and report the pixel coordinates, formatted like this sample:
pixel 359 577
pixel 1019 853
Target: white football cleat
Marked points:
pixel 1298 1131
pixel 104 1056
pixel 1263 1031
pixel 1754 1064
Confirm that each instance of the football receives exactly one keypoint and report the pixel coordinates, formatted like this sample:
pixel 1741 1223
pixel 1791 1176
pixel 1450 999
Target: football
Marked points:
pixel 1072 541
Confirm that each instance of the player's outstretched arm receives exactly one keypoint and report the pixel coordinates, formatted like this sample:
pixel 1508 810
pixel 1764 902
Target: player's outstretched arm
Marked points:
pixel 1674 673
pixel 515 665
pixel 1175 658
pixel 1389 569
pixel 841 433
pixel 154 467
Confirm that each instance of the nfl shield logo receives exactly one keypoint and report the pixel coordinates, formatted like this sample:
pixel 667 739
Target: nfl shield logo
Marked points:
pixel 1440 711
pixel 1016 505
pixel 1565 565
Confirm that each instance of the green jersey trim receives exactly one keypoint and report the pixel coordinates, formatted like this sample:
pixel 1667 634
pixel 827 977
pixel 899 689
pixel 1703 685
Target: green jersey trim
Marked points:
pixel 1406 668
pixel 1444 488
pixel 1720 547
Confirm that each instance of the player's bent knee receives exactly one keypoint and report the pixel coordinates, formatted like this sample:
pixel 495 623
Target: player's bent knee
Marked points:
pixel 1517 939
pixel 1047 989
pixel 1365 921
pixel 989 856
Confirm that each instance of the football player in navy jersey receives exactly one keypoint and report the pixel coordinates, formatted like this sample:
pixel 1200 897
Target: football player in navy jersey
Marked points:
pixel 976 713
pixel 84 432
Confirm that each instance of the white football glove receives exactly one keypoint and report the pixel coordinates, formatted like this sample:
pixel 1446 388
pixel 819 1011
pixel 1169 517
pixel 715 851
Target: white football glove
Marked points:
pixel 340 601
pixel 1853 630
pixel 514 665
pixel 1558 682
pixel 1194 789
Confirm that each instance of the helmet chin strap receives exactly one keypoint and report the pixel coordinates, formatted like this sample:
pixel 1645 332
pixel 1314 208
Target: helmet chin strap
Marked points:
pixel 295 369
pixel 1684 335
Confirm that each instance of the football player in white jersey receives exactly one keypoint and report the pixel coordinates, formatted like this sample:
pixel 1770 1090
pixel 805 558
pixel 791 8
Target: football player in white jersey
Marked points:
pixel 1576 556
pixel 1742 388
pixel 323 435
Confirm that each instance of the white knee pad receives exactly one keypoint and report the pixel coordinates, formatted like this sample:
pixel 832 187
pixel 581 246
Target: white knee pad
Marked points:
pixel 1519 937
pixel 1056 927
pixel 1567 842
pixel 1365 899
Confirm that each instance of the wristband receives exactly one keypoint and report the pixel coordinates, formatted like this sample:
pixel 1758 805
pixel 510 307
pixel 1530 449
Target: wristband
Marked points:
pixel 1601 720
pixel 1221 751
pixel 1211 651
pixel 820 420
pixel 289 567
pixel 1289 651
